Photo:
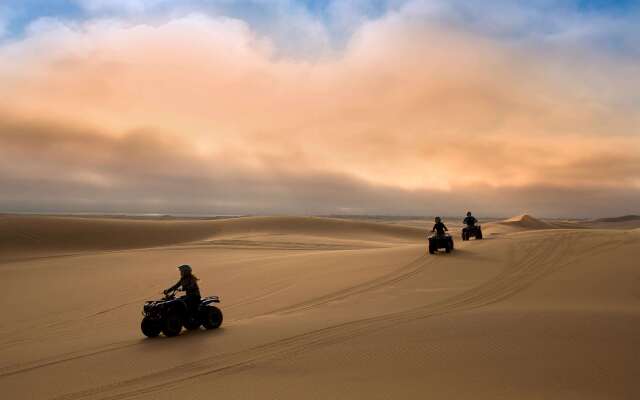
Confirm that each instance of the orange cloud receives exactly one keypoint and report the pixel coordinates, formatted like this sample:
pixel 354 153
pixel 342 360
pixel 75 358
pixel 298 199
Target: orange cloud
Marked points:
pixel 404 107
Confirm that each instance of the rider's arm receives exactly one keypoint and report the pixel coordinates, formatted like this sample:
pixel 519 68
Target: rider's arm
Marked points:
pixel 174 287
pixel 445 227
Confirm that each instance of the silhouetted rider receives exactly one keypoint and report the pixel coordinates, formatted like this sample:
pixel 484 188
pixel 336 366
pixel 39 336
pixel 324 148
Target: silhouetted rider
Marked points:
pixel 470 220
pixel 189 284
pixel 439 227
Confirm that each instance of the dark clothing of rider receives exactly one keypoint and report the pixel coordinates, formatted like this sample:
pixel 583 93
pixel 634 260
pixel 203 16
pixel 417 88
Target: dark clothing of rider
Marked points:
pixel 189 284
pixel 470 220
pixel 439 228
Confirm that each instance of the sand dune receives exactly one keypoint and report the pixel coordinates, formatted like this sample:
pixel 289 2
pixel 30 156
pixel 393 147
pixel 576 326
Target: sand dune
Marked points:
pixel 622 222
pixel 526 221
pixel 521 223
pixel 624 218
pixel 23 235
pixel 321 308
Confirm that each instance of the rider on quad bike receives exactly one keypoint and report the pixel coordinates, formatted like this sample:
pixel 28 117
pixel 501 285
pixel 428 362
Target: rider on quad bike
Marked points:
pixel 471 229
pixel 440 240
pixel 189 284
pixel 439 227
pixel 170 314
pixel 470 220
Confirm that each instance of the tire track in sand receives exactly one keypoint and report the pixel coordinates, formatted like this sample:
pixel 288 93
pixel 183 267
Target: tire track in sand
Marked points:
pixel 540 259
pixel 406 271
pixel 397 275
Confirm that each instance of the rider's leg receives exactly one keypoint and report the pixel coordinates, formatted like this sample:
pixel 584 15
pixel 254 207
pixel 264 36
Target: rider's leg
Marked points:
pixel 193 302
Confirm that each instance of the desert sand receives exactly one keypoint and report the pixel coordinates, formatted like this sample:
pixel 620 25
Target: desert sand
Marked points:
pixel 321 308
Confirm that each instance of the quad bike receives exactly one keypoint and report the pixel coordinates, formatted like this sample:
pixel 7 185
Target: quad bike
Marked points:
pixel 472 231
pixel 437 242
pixel 170 314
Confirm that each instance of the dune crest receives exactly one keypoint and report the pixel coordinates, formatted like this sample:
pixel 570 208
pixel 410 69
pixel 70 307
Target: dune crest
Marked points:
pixel 63 234
pixel 526 221
pixel 623 218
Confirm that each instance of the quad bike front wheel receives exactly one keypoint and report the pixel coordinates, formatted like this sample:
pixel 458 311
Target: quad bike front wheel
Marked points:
pixel 432 248
pixel 212 317
pixel 172 325
pixel 150 328
pixel 192 324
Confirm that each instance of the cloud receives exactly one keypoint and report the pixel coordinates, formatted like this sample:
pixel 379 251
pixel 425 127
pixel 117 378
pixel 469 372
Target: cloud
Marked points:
pixel 127 6
pixel 288 23
pixel 416 114
pixel 4 21
pixel 74 169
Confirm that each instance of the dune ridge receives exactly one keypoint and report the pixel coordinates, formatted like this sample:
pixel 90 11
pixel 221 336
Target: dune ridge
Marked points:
pixel 623 218
pixel 51 234
pixel 526 221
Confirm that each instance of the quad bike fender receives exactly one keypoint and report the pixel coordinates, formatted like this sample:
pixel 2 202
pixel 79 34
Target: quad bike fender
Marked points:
pixel 209 300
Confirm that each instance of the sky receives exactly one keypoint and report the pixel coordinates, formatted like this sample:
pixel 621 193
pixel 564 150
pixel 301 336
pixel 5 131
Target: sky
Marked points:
pixel 394 107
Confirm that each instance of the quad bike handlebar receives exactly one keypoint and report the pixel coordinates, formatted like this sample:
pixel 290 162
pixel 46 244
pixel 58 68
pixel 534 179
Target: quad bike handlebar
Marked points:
pixel 169 295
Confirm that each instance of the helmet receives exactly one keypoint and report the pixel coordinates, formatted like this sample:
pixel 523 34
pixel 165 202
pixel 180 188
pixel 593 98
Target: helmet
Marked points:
pixel 185 268
pixel 438 219
pixel 468 213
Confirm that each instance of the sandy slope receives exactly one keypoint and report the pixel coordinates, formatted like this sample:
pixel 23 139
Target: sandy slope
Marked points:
pixel 25 236
pixel 320 308
pixel 623 218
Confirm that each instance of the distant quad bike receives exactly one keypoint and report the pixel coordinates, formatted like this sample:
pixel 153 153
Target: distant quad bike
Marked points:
pixel 170 314
pixel 437 242
pixel 472 231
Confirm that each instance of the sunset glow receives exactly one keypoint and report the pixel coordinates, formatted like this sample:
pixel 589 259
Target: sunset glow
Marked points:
pixel 411 107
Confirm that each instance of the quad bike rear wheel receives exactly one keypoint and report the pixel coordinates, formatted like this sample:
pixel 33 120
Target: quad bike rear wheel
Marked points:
pixel 150 328
pixel 172 324
pixel 211 317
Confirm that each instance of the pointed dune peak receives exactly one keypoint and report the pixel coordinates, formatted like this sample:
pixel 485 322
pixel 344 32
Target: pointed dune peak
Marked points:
pixel 527 221
pixel 522 218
